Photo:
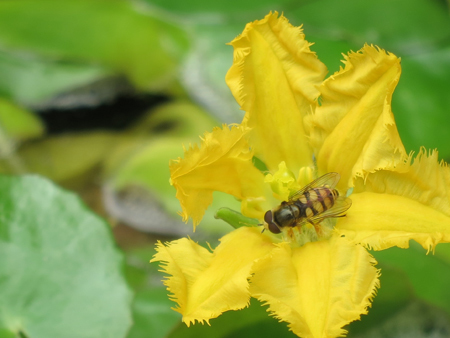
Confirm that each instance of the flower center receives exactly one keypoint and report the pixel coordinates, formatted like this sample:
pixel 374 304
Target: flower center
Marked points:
pixel 306 205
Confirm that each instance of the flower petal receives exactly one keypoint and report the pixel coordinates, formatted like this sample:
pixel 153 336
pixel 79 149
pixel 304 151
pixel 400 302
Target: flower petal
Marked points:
pixel 317 288
pixel 392 207
pixel 274 77
pixel 353 132
pixel 223 162
pixel 205 284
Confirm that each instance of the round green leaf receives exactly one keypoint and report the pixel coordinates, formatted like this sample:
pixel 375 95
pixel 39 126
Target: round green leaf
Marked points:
pixel 60 272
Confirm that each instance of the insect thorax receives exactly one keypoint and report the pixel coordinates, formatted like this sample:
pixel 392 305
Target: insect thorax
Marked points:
pixel 286 214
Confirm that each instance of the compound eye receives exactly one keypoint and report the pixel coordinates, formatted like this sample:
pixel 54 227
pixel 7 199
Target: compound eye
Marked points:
pixel 268 216
pixel 273 228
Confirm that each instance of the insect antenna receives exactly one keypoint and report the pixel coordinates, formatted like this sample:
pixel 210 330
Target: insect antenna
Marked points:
pixel 261 224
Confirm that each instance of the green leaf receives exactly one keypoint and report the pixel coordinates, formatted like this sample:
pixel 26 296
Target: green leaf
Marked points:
pixel 152 314
pixel 18 123
pixel 401 26
pixel 421 101
pixel 429 274
pixel 140 274
pixel 416 319
pixel 394 294
pixel 418 31
pixel 114 33
pixel 22 76
pixel 207 10
pixel 61 272
pixel 442 252
pixel 5 333
pixel 149 167
pixel 253 321
pixel 330 51
pixel 207 64
pixel 64 158
pixel 173 119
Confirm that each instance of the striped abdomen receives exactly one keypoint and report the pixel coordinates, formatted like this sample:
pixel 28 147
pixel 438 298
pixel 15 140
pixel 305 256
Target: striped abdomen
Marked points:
pixel 315 201
pixel 312 202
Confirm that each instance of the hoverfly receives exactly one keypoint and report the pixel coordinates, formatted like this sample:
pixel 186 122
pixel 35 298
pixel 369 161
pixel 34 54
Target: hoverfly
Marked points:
pixel 312 204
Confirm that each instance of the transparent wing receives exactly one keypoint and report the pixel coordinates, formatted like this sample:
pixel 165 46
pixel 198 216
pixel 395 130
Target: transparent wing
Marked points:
pixel 341 205
pixel 330 180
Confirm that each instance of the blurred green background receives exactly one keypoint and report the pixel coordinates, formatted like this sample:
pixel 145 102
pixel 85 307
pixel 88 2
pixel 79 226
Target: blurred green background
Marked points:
pixel 97 96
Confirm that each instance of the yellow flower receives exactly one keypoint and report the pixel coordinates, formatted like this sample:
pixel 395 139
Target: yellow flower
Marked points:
pixel 300 126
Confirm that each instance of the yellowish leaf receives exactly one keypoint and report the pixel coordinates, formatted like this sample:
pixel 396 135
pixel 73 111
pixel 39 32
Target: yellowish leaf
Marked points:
pixel 18 123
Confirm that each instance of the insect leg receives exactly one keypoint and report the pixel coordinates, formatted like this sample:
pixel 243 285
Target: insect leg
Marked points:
pixel 312 223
